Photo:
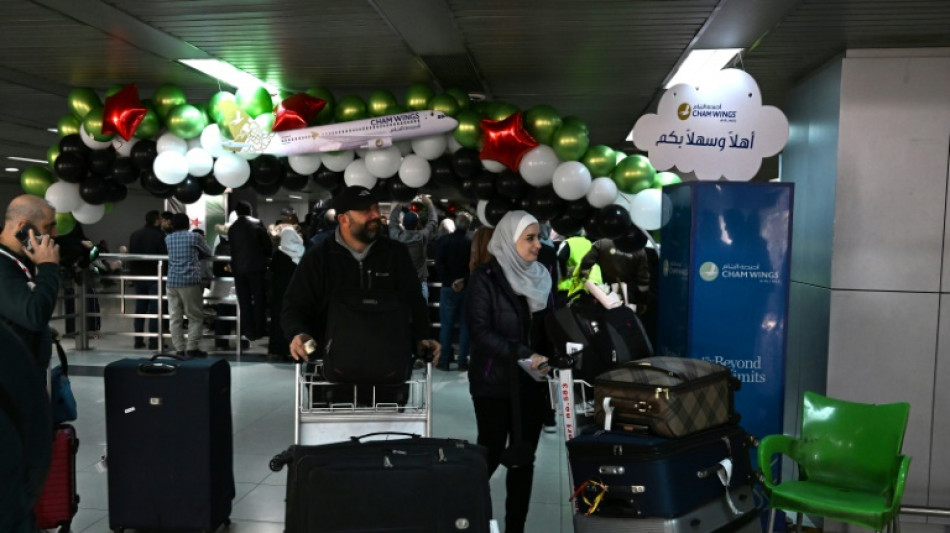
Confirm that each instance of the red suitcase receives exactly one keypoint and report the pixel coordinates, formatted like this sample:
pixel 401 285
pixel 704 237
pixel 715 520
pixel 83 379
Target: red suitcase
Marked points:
pixel 59 502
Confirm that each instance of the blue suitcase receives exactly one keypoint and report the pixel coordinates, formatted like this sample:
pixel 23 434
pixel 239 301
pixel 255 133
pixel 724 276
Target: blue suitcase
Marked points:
pixel 648 476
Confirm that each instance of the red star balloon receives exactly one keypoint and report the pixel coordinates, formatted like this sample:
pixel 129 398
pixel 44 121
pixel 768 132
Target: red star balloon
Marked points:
pixel 123 112
pixel 296 111
pixel 506 141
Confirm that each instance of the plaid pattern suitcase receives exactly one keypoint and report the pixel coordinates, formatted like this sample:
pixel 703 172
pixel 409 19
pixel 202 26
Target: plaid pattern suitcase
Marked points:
pixel 667 396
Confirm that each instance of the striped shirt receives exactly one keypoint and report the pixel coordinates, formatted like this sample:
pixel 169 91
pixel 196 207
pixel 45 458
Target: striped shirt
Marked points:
pixel 185 249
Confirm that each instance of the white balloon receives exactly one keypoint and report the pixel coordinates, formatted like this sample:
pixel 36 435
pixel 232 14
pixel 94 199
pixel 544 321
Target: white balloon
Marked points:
pixel 538 164
pixel 602 192
pixel 493 166
pixel 170 167
pixel 646 209
pixel 169 142
pixel 249 156
pixel 211 140
pixel 193 143
pixel 480 211
pixel 90 142
pixel 405 147
pixel 124 147
pixel 383 163
pixel 571 180
pixel 430 147
pixel 356 174
pixel 453 144
pixel 361 152
pixel 88 213
pixel 200 162
pixel 414 171
pixel 63 196
pixel 337 161
pixel 304 164
pixel 231 171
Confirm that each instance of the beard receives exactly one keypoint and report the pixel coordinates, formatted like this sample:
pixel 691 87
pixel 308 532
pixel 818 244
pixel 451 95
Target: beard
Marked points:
pixel 368 232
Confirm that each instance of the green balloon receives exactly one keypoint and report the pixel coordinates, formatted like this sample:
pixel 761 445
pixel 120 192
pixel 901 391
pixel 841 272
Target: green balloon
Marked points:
pixel 445 103
pixel 500 110
pixel 166 97
pixel 64 223
pixel 93 125
pixel 350 107
pixel 114 89
pixel 68 125
pixel 82 100
pixel 149 126
pixel 600 160
pixel 469 131
pixel 482 108
pixel 266 121
pixel 460 96
pixel 620 157
pixel 666 178
pixel 51 154
pixel 325 115
pixel 254 101
pixel 186 121
pixel 380 102
pixel 542 121
pixel 634 174
pixel 35 180
pixel 574 121
pixel 570 142
pixel 418 96
pixel 215 111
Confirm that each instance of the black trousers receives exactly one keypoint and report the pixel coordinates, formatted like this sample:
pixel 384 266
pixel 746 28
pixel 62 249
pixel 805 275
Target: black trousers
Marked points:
pixel 250 289
pixel 495 428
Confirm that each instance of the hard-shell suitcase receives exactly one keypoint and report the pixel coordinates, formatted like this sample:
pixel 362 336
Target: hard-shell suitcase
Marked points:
pixel 328 487
pixel 667 396
pixel 715 516
pixel 646 476
pixel 58 503
pixel 168 428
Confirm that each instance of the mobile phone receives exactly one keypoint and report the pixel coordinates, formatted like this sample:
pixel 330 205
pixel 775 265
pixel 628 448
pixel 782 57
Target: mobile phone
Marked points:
pixel 23 235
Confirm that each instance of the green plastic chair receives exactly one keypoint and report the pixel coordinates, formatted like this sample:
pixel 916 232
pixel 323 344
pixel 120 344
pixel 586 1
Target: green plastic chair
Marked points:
pixel 850 463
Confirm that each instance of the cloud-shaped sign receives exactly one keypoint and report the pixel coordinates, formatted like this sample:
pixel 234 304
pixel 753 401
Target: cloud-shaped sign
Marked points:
pixel 719 129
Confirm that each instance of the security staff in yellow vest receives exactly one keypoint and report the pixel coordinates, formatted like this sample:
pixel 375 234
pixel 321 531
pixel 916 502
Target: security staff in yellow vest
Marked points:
pixel 570 254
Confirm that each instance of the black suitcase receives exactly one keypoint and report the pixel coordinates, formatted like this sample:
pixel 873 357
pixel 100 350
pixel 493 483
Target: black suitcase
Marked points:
pixel 170 443
pixel 715 516
pixel 648 476
pixel 387 485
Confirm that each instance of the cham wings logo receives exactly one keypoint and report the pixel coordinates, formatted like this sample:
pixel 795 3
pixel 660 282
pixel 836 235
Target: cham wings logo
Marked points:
pixel 708 271
pixel 684 111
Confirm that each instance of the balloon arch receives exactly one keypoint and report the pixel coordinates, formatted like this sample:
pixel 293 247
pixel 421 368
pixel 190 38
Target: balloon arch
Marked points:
pixel 498 157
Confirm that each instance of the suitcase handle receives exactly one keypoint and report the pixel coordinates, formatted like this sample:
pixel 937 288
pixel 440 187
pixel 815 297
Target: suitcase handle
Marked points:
pixel 400 433
pixel 648 366
pixel 169 355
pixel 157 368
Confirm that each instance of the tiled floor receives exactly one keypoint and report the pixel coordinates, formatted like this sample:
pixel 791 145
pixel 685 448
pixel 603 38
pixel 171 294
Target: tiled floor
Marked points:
pixel 263 414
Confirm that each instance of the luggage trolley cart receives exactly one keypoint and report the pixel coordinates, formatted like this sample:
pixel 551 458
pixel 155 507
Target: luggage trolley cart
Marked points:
pixel 332 412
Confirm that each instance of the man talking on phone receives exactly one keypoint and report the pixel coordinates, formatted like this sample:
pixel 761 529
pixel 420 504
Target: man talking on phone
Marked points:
pixel 29 273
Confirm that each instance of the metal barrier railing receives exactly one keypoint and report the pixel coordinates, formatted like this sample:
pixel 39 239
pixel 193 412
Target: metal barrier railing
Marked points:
pixel 84 295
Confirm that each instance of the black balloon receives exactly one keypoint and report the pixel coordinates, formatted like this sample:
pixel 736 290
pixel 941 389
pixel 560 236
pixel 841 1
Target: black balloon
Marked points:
pixel 466 187
pixel 592 226
pixel 101 161
pixel 579 210
pixel 266 170
pixel 70 167
pixel 210 185
pixel 511 185
pixel 92 190
pixel 566 225
pixel 495 209
pixel 613 221
pixel 115 191
pixel 545 203
pixel 401 192
pixel 295 182
pixel 153 185
pixel 465 163
pixel 262 189
pixel 381 189
pixel 328 179
pixel 442 174
pixel 188 191
pixel 525 203
pixel 73 143
pixel 633 241
pixel 143 154
pixel 484 187
pixel 124 171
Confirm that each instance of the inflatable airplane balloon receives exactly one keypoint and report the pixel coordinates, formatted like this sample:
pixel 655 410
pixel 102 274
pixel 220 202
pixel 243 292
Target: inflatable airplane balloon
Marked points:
pixel 377 132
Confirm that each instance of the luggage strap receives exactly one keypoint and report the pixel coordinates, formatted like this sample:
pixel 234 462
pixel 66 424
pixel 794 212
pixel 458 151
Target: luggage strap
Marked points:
pixel 582 490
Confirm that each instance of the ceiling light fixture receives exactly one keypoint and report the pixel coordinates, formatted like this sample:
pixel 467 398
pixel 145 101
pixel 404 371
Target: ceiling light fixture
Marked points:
pixel 11 169
pixel 295 197
pixel 227 73
pixel 53 130
pixel 699 64
pixel 28 160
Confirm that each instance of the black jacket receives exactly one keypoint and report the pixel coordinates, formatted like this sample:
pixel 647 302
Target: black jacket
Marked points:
pixel 329 267
pixel 500 326
pixel 27 310
pixel 250 246
pixel 452 256
pixel 146 240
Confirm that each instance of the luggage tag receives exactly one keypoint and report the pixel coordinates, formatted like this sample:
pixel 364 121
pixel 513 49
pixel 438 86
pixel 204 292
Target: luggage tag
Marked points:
pixel 608 414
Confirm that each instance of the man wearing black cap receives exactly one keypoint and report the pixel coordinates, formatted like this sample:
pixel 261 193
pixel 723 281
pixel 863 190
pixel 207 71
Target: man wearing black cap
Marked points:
pixel 353 258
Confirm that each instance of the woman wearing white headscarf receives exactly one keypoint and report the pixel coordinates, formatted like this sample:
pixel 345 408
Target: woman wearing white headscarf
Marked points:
pixel 508 297
pixel 282 267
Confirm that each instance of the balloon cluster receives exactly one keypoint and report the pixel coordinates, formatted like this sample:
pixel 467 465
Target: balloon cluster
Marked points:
pixel 498 156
